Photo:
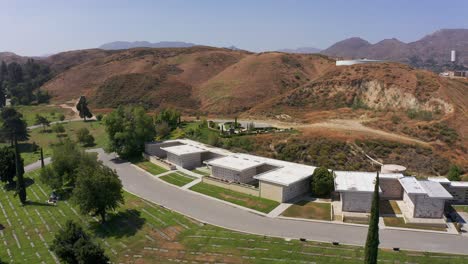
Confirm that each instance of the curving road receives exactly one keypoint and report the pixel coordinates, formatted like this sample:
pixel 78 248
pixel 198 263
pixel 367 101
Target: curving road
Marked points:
pixel 213 212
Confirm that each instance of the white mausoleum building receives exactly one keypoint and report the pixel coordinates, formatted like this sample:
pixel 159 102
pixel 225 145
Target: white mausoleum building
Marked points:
pixel 424 199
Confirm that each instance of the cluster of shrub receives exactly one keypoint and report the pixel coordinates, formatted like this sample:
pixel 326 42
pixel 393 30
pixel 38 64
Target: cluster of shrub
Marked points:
pixel 21 82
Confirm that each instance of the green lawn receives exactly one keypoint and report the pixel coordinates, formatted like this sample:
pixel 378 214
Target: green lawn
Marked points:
pixel 309 210
pixel 253 202
pixel 52 113
pixel 460 208
pixel 45 139
pixel 400 222
pixel 177 179
pixel 201 172
pixel 150 167
pixel 141 232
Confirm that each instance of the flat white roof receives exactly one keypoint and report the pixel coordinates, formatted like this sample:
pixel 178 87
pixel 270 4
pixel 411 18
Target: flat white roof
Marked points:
pixel 287 175
pixel 355 181
pixel 184 149
pixel 411 185
pixel 234 162
pixel 435 190
pixel 459 184
pixel 439 179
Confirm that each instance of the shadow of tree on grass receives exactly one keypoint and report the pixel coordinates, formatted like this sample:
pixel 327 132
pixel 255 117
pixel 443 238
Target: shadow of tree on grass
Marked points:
pixel 122 224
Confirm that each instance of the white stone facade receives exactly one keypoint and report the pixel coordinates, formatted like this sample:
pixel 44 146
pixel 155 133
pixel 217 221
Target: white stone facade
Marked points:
pixel 187 161
pixel 356 201
pixel 422 206
pixel 391 189
pixel 245 176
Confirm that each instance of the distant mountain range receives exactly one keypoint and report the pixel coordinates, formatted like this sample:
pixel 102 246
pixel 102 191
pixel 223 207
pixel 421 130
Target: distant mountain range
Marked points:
pixel 303 50
pixel 118 45
pixel 430 51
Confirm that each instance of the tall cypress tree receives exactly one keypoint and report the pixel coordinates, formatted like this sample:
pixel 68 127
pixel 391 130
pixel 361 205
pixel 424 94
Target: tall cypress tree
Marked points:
pixel 20 186
pixel 42 158
pixel 372 242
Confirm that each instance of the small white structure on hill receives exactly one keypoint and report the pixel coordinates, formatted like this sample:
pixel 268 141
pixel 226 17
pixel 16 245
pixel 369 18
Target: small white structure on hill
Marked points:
pixel 358 61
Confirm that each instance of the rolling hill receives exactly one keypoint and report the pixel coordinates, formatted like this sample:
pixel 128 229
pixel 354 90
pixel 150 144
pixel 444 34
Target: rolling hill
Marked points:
pixel 307 89
pixel 433 49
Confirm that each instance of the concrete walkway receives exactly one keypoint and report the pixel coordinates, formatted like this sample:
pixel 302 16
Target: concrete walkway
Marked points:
pixel 278 210
pixel 190 184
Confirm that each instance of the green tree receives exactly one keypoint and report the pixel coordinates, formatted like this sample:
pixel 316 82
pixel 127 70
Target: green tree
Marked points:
pixel 84 137
pixel 61 117
pixel 20 185
pixel 98 189
pixel 7 164
pixel 2 95
pixel 213 139
pixel 42 158
pixel 66 158
pixel 371 249
pixel 170 116
pixel 322 182
pixel 12 125
pixel 128 129
pixel 162 130
pixel 454 173
pixel 58 128
pixel 42 120
pixel 82 107
pixel 73 245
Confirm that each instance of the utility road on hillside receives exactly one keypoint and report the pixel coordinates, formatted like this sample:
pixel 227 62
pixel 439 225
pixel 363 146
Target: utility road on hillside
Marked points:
pixel 216 213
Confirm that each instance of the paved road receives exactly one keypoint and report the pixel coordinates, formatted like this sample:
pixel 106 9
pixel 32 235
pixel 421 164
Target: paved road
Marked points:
pixel 216 213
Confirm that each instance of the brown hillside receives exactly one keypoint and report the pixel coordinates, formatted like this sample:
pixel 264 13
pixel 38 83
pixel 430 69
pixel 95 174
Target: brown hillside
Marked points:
pixel 389 86
pixel 257 78
pixel 162 64
pixel 65 60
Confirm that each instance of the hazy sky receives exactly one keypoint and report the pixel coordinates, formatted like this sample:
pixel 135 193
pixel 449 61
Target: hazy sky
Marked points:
pixel 38 27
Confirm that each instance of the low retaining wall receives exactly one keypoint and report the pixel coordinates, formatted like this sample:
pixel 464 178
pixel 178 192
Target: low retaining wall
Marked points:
pixel 232 186
pixel 159 162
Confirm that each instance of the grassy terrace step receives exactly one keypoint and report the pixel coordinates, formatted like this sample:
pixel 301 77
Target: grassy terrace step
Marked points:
pixel 150 167
pixel 309 210
pixel 400 222
pixel 142 232
pixel 45 139
pixel 177 179
pixel 249 201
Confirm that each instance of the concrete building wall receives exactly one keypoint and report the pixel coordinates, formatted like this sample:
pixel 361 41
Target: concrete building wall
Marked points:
pixel 356 201
pixel 154 149
pixel 391 189
pixel 210 155
pixel 271 191
pixel 296 189
pixel 409 201
pixel 426 207
pixel 232 186
pixel 245 176
pixel 460 194
pixel 187 161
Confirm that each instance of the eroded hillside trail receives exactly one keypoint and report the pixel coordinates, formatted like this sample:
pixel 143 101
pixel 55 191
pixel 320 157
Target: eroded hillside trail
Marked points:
pixel 338 125
pixel 71 106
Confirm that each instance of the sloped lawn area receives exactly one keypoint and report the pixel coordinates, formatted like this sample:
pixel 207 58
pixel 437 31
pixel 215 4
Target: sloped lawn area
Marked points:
pixel 150 167
pixel 400 222
pixel 249 201
pixel 142 232
pixel 309 210
pixel 177 179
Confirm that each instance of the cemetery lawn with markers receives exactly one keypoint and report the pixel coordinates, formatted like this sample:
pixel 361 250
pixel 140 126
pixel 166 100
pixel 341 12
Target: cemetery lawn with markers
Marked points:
pixel 143 232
